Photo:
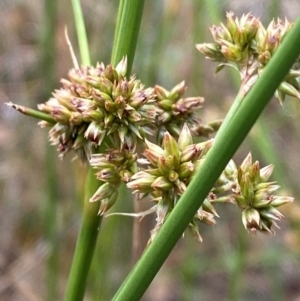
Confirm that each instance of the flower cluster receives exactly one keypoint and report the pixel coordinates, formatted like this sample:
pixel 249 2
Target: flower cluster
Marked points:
pixel 254 195
pixel 114 167
pixel 248 45
pixel 100 106
pixel 176 110
pixel 170 170
pixel 97 102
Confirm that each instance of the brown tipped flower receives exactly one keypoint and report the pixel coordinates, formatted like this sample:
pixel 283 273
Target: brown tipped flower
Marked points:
pixel 254 195
pixel 98 102
pixel 114 167
pixel 232 41
pixel 174 110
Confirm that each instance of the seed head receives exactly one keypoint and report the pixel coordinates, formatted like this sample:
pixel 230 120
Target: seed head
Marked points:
pixel 174 110
pixel 98 102
pixel 170 170
pixel 254 195
pixel 245 44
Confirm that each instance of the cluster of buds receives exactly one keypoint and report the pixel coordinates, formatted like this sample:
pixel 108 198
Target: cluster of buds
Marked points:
pixel 114 167
pixel 247 45
pixel 170 170
pixel 233 41
pixel 97 102
pixel 254 195
pixel 174 111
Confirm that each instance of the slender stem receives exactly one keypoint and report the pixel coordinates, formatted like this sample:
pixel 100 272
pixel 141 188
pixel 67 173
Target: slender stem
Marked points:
pixel 81 33
pixel 218 157
pixel 232 111
pixel 31 112
pixel 90 223
pixel 126 35
pixel 118 25
pixel 85 243
pixel 85 246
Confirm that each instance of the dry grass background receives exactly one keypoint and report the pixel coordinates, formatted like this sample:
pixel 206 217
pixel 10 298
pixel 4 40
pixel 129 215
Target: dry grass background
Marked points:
pixel 229 264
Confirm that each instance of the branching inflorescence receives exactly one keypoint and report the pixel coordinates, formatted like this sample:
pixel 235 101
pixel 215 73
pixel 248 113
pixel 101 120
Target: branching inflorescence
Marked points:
pixel 99 106
pixel 248 46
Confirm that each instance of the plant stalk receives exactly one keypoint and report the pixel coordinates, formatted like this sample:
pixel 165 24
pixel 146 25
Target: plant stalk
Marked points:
pixel 218 157
pixel 81 33
pixel 91 221
pixel 31 112
pixel 129 18
pixel 127 31
pixel 86 242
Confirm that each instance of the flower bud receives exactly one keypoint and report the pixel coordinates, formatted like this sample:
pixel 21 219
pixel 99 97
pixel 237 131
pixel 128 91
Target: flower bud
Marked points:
pixel 122 66
pixel 161 183
pixel 281 200
pixel 231 24
pixel 171 148
pixel 251 219
pixel 104 191
pixel 190 153
pixel 165 104
pixel 110 73
pixel 233 52
pixel 141 182
pixel 161 92
pixel 177 92
pixel 185 138
pixel 107 203
pixel 266 172
pixel 246 164
pixel 173 176
pixel 271 213
pixel 61 114
pixel 108 174
pixel 94 133
pixel 289 89
pixel 220 33
pixel 186 170
pixel 211 51
pixel 165 164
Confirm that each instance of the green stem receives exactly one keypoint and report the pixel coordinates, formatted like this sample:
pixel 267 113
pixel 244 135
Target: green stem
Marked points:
pixel 86 242
pixel 127 30
pixel 32 113
pixel 118 25
pixel 90 223
pixel 218 157
pixel 125 42
pixel 232 111
pixel 81 33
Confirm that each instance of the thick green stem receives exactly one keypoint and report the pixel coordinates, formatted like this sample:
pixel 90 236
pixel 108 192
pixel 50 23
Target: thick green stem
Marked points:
pixel 86 242
pixel 127 30
pixel 232 111
pixel 218 157
pixel 125 44
pixel 90 223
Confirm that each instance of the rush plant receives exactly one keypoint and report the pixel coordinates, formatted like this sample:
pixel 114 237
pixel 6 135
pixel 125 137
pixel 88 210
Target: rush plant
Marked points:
pixel 104 115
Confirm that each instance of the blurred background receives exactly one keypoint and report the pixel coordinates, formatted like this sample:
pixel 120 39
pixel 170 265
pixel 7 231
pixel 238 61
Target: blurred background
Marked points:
pixel 41 204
